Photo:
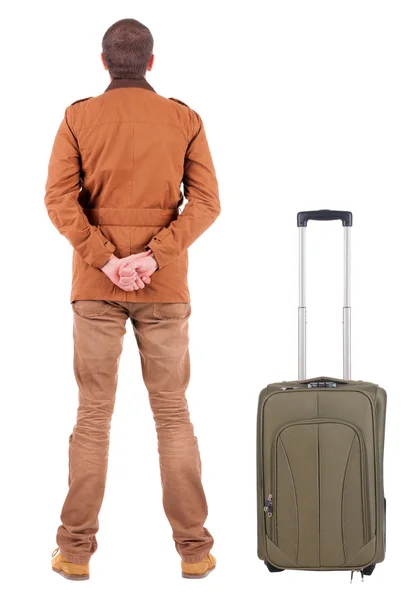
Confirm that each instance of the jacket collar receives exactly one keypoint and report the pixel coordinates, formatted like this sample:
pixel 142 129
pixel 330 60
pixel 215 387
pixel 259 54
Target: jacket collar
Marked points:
pixel 139 83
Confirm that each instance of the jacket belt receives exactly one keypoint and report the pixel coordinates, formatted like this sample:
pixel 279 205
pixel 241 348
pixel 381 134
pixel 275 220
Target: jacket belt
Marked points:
pixel 146 217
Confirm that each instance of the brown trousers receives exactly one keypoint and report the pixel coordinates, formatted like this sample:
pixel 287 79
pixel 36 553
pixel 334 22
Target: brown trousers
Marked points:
pixel 161 331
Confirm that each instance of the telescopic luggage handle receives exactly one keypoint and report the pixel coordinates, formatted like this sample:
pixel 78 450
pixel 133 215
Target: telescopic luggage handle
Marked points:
pixel 346 218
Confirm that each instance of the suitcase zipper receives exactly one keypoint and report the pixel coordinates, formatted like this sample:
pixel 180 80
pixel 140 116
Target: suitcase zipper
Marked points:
pixel 268 509
pixel 268 506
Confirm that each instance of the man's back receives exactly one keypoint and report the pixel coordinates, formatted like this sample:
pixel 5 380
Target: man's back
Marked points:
pixel 136 148
pixel 133 143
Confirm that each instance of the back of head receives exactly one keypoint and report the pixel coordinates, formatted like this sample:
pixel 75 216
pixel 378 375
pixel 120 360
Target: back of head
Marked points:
pixel 127 47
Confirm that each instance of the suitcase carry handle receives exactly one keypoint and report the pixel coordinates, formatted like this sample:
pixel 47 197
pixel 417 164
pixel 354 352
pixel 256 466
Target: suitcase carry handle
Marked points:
pixel 346 218
pixel 324 382
pixel 325 379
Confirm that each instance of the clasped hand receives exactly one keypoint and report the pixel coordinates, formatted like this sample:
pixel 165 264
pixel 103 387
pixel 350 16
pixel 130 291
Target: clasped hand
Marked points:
pixel 132 272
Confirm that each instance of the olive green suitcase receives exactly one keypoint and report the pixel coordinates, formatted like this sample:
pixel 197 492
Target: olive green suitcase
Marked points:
pixel 320 447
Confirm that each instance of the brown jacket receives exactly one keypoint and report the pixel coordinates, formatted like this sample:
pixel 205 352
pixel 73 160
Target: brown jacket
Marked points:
pixel 113 187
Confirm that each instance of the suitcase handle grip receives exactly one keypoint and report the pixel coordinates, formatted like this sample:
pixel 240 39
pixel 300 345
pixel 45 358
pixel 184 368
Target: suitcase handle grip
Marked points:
pixel 344 216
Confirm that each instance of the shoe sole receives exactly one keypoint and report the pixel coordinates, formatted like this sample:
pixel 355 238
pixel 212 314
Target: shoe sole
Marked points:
pixel 71 577
pixel 187 576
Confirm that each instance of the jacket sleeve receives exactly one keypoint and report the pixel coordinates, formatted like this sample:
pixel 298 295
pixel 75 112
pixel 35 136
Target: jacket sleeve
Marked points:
pixel 61 199
pixel 203 206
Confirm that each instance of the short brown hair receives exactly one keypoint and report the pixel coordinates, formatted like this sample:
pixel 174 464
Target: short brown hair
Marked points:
pixel 127 47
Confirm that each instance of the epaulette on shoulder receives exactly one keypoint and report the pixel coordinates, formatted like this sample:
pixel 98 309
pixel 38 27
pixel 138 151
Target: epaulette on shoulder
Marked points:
pixel 82 100
pixel 179 102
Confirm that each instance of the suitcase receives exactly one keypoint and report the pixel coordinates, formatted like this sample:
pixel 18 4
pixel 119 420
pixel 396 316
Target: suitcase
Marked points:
pixel 320 448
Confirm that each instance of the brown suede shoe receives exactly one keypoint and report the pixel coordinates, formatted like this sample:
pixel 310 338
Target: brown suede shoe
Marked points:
pixel 200 569
pixel 67 569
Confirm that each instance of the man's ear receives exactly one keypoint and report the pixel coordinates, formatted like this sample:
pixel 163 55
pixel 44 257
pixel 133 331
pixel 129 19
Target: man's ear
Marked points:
pixel 151 63
pixel 103 61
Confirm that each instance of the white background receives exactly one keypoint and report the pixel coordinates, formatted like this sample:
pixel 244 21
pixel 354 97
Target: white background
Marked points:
pixel 307 105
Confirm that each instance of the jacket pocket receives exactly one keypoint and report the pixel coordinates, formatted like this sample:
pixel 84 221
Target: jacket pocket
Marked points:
pixel 170 311
pixel 91 308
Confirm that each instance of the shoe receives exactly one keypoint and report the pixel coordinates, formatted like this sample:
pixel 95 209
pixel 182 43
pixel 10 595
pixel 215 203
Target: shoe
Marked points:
pixel 200 569
pixel 67 569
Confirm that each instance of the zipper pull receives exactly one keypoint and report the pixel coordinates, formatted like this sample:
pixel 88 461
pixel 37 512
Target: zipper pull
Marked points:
pixel 268 506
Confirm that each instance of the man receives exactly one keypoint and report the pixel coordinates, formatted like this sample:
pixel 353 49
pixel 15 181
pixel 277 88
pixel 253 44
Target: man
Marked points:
pixel 113 190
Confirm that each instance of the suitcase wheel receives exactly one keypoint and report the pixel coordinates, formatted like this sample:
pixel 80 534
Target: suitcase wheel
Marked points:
pixel 272 568
pixel 368 570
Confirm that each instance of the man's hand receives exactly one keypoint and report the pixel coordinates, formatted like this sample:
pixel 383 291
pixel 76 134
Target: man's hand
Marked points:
pixel 131 281
pixel 144 264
